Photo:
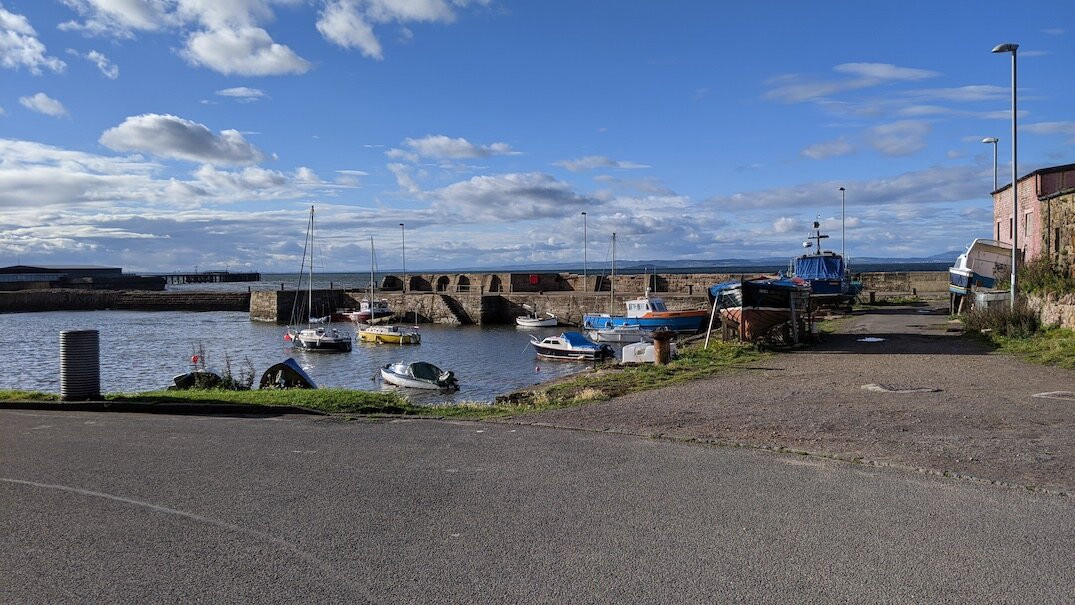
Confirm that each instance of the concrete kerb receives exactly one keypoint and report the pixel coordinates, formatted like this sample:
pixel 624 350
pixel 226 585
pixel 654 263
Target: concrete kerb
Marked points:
pixel 176 408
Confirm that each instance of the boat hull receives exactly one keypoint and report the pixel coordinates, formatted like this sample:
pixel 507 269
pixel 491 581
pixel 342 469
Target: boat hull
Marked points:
pixel 322 340
pixel 400 375
pixel 530 322
pixel 677 321
pixel 574 355
pixel 756 322
pixel 395 338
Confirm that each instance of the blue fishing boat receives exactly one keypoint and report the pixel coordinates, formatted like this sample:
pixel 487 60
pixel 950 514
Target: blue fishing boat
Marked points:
pixel 826 273
pixel 648 313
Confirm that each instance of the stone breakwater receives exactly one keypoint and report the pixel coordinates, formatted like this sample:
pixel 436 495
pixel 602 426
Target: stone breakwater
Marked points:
pixel 127 300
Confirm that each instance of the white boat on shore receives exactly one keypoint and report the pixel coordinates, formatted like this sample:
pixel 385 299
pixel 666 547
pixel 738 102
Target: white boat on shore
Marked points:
pixel 622 333
pixel 419 375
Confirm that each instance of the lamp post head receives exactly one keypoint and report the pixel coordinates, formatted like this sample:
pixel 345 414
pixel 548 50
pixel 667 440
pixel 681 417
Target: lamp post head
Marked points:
pixel 1005 48
pixel 990 140
pixel 841 188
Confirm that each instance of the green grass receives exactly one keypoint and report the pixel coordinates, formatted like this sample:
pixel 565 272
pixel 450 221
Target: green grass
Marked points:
pixel 604 383
pixel 893 301
pixel 614 381
pixel 1054 346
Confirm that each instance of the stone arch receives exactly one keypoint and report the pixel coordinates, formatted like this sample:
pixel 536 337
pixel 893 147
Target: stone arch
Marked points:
pixel 463 283
pixel 391 282
pixel 494 283
pixel 419 284
pixel 443 282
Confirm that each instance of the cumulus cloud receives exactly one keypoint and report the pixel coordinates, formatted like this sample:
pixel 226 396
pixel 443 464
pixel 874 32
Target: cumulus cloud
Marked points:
pixel 245 51
pixel 962 94
pixel 598 161
pixel 242 94
pixel 174 137
pixel 443 147
pixel 1050 128
pixel 899 138
pixel 42 103
pixel 349 23
pixel 828 149
pixel 511 197
pixel 117 18
pixel 19 46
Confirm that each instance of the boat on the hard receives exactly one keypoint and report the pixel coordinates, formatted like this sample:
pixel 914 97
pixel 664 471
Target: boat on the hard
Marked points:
pixel 622 333
pixel 648 313
pixel 287 374
pixel 572 346
pixel 979 266
pixel 826 272
pixel 419 375
pixel 314 337
pixel 756 306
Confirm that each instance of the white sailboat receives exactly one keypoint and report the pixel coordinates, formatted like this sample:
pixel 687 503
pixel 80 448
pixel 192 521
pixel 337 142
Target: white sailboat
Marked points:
pixel 321 337
pixel 389 334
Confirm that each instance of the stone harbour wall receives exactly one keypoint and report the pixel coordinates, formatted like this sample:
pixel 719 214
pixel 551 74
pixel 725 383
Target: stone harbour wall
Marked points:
pixel 130 300
pixel 1055 311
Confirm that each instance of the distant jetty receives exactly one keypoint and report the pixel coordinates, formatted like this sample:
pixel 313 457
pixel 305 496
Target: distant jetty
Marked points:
pixel 209 277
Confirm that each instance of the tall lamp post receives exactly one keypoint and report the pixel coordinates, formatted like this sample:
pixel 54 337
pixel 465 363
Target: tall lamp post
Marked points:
pixel 585 279
pixel 1011 48
pixel 403 234
pixel 843 231
pixel 993 140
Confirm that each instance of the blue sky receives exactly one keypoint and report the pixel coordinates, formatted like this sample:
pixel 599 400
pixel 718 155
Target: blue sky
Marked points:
pixel 163 134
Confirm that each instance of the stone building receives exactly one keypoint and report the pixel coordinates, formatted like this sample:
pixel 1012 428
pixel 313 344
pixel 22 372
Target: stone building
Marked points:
pixel 1046 215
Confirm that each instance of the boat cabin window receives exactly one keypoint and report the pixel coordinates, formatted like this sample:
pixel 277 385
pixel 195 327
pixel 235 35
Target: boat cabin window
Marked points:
pixel 658 305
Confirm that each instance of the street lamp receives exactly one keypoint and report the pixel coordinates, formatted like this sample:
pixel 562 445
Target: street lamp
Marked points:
pixel 843 231
pixel 585 280
pixel 993 140
pixel 1011 48
pixel 403 234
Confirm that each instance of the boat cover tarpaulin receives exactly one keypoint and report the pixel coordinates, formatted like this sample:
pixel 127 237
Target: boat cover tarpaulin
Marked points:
pixel 425 371
pixel 783 283
pixel 578 340
pixel 819 267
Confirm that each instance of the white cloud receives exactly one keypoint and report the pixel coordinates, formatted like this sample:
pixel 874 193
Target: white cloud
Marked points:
pixel 1055 31
pixel 19 46
pixel 174 137
pixel 828 149
pixel 107 68
pixel 246 51
pixel 795 88
pixel 598 161
pixel 42 103
pixel 349 23
pixel 117 18
pixel 785 224
pixel 511 197
pixel 899 138
pixel 978 92
pixel 440 146
pixel 1050 128
pixel 242 94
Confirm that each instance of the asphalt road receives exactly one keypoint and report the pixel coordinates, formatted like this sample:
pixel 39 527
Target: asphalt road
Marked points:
pixel 109 507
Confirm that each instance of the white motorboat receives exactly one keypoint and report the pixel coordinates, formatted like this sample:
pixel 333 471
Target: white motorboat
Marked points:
pixel 979 266
pixel 571 346
pixel 419 375
pixel 397 335
pixel 621 333
pixel 535 321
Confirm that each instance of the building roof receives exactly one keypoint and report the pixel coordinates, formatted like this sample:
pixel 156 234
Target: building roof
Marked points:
pixel 55 268
pixel 1040 171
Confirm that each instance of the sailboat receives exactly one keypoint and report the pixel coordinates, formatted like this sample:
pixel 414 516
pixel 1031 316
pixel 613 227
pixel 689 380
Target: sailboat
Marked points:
pixel 647 313
pixel 391 334
pixel 314 338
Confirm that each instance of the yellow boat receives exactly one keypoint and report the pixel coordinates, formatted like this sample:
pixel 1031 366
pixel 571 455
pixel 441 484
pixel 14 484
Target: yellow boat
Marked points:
pixel 390 335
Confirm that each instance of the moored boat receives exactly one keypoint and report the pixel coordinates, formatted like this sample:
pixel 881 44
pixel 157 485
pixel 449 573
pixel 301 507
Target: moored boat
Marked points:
pixel 648 313
pixel 419 375
pixel 826 273
pixel 536 321
pixel 571 346
pixel 390 335
pixel 311 338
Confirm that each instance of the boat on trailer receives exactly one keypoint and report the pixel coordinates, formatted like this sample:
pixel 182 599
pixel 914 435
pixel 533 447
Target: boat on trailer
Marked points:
pixel 573 346
pixel 756 306
pixel 419 375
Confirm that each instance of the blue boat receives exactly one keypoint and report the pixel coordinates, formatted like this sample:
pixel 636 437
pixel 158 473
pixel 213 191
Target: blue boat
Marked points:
pixel 826 273
pixel 978 267
pixel 573 346
pixel 648 313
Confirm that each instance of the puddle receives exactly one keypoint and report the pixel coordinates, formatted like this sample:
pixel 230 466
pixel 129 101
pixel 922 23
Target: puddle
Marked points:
pixel 871 339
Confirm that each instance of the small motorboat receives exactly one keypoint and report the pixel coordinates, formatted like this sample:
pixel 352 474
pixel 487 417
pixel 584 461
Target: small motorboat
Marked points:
pixel 419 375
pixel 535 321
pixel 571 346
pixel 621 333
pixel 643 352
pixel 390 334
pixel 287 374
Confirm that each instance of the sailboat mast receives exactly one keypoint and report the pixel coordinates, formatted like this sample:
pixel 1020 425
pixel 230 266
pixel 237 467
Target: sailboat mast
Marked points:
pixel 612 279
pixel 372 262
pixel 310 289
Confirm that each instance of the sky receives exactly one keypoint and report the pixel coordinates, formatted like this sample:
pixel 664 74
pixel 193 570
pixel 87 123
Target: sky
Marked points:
pixel 164 135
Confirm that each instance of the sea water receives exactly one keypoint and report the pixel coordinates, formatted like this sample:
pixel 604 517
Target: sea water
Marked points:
pixel 143 350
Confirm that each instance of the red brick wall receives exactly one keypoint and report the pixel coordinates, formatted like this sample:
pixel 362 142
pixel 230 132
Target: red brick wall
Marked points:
pixel 1029 226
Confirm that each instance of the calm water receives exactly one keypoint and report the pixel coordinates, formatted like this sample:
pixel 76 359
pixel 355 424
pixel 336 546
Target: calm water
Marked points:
pixel 142 350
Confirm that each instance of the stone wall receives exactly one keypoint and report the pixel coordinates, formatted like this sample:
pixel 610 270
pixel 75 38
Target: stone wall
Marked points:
pixel 1055 311
pixel 922 282
pixel 133 300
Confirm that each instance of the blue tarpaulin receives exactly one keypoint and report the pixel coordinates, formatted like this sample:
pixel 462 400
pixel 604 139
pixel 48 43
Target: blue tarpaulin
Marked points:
pixel 578 340
pixel 819 267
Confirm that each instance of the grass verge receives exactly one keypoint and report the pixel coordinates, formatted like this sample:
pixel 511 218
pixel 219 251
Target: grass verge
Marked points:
pixel 1053 346
pixel 604 383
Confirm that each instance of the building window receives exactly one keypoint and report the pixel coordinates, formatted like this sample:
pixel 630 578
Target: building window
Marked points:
pixel 1011 226
pixel 1026 224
